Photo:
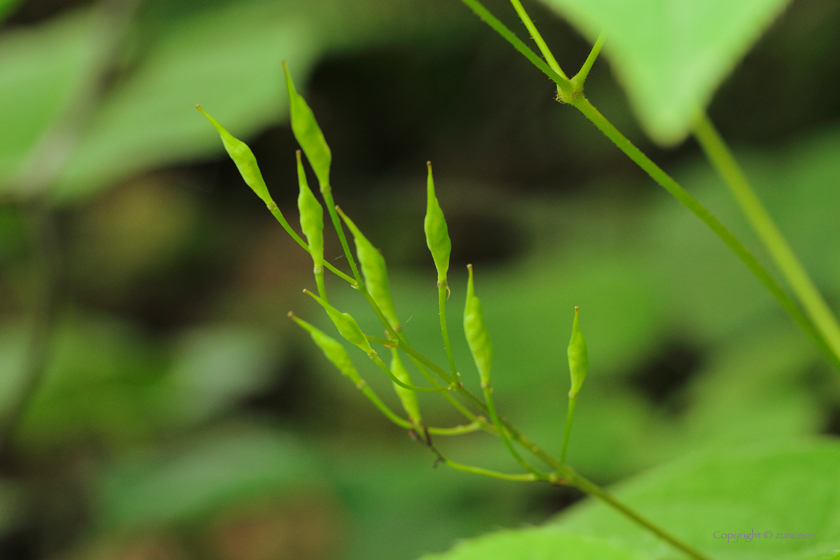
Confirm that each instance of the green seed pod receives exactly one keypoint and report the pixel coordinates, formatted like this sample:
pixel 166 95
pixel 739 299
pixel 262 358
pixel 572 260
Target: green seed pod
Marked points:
pixel 308 134
pixel 477 336
pixel 332 349
pixel 407 396
pixel 244 159
pixel 311 218
pixel 437 235
pixel 578 357
pixel 346 325
pixel 374 271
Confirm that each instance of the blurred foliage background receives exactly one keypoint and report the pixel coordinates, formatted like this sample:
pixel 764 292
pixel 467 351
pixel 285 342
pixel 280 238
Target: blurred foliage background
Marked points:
pixel 181 414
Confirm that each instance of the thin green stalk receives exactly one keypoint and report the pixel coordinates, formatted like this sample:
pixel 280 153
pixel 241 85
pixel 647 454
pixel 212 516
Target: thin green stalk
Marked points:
pixel 328 200
pixel 275 211
pixel 530 477
pixel 774 241
pixel 535 35
pixel 491 408
pixel 562 82
pixel 581 76
pixel 683 196
pixel 569 417
pixel 443 291
pixel 378 361
pixel 594 490
pixel 390 414
pixel 457 430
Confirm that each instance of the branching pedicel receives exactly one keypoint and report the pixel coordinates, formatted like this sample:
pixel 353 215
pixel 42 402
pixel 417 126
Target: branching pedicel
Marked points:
pixel 372 283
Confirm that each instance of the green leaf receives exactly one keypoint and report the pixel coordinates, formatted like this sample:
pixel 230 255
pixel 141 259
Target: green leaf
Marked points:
pixel 311 218
pixel 308 133
pixel 790 488
pixel 671 55
pixel 437 234
pixel 535 544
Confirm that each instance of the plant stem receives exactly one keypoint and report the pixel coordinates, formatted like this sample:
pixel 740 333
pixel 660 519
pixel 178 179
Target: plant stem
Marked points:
pixel 457 430
pixel 378 361
pixel 774 241
pixel 581 76
pixel 491 407
pixel 594 490
pixel 443 290
pixel 683 196
pixel 530 477
pixel 569 416
pixel 562 82
pixel 535 35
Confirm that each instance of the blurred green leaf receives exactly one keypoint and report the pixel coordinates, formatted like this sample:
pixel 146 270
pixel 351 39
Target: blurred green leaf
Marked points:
pixel 224 55
pixel 535 544
pixel 671 55
pixel 213 472
pixel 789 488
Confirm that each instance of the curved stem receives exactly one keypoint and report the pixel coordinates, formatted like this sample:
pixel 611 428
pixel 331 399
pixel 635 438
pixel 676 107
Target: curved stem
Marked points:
pixel 530 477
pixel 768 232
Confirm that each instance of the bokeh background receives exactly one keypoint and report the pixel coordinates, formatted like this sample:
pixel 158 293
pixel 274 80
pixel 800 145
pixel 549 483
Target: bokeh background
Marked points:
pixel 181 415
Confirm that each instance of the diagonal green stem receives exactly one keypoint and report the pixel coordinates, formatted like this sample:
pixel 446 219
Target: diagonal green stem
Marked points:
pixel 683 196
pixel 581 76
pixel 535 35
pixel 491 408
pixel 774 241
pixel 596 491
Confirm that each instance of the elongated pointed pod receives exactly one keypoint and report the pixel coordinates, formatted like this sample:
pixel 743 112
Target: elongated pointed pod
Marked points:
pixel 346 325
pixel 312 224
pixel 578 356
pixel 244 159
pixel 332 349
pixel 308 134
pixel 408 398
pixel 477 336
pixel 374 272
pixel 437 234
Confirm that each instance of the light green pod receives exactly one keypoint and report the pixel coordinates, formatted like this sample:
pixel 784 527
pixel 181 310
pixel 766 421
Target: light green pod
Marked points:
pixel 477 336
pixel 407 396
pixel 578 357
pixel 308 134
pixel 311 218
pixel 437 234
pixel 375 273
pixel 244 159
pixel 346 325
pixel 332 349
